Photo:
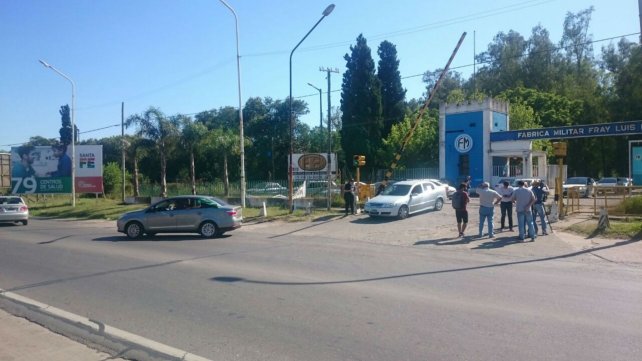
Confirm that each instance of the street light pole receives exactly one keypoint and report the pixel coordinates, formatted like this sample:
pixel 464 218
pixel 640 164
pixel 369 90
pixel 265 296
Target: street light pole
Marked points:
pixel 321 104
pixel 325 13
pixel 73 129
pixel 238 76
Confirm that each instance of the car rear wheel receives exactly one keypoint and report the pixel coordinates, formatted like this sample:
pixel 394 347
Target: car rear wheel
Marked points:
pixel 439 204
pixel 403 212
pixel 25 222
pixel 134 230
pixel 208 229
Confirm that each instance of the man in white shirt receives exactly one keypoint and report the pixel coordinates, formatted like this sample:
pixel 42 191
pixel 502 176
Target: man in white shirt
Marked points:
pixel 506 205
pixel 488 198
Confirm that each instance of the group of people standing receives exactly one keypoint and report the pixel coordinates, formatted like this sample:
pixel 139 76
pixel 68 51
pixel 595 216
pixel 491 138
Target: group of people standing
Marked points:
pixel 528 204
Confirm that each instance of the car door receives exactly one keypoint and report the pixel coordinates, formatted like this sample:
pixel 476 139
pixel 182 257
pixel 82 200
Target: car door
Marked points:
pixel 416 198
pixel 430 194
pixel 187 215
pixel 161 217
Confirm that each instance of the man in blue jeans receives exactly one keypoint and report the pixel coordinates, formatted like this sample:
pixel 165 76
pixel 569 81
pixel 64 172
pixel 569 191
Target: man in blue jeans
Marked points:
pixel 488 198
pixel 540 190
pixel 524 199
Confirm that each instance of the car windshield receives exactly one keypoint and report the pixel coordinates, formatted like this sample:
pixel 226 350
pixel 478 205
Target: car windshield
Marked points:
pixel 608 180
pixel 397 190
pixel 576 180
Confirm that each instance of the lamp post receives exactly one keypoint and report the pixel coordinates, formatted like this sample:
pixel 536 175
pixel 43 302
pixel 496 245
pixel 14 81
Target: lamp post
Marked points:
pixel 238 76
pixel 325 13
pixel 320 105
pixel 73 129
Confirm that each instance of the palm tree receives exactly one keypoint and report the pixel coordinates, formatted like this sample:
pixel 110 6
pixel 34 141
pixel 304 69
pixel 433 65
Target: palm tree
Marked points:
pixel 136 148
pixel 154 126
pixel 222 141
pixel 192 134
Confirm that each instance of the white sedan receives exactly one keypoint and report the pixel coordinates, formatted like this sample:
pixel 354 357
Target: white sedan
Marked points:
pixel 405 198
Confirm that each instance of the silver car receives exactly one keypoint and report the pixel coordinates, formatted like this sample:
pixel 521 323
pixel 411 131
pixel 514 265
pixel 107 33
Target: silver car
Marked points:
pixel 208 216
pixel 405 198
pixel 13 209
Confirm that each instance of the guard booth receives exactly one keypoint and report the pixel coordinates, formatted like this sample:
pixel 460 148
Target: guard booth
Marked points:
pixel 466 149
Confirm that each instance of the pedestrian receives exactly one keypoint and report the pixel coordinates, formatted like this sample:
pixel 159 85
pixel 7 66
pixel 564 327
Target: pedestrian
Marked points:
pixel 467 183
pixel 348 196
pixel 540 190
pixel 488 198
pixel 382 186
pixel 459 202
pixel 506 205
pixel 524 200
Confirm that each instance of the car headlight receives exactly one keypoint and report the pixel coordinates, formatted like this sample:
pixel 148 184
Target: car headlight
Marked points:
pixel 387 205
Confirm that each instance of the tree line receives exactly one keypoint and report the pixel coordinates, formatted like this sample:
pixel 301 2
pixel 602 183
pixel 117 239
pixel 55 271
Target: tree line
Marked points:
pixel 546 83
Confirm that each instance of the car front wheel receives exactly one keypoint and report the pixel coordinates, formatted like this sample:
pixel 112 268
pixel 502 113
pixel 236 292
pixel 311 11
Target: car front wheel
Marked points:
pixel 208 229
pixel 439 204
pixel 134 230
pixel 403 212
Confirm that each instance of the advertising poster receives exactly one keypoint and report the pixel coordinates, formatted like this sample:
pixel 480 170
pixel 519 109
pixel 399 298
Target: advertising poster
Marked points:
pixel 313 166
pixel 47 169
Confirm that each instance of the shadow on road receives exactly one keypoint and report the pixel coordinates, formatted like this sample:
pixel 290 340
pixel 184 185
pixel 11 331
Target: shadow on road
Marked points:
pixel 229 279
pixel 156 238
pixel 446 241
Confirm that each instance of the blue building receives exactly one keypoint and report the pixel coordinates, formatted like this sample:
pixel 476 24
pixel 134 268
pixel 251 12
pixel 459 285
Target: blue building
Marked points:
pixel 465 148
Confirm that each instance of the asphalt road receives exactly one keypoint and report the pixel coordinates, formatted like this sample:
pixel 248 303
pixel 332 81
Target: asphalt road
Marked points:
pixel 341 289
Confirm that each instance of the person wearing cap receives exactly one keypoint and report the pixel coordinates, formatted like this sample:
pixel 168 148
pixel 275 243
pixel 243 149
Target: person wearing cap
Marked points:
pixel 524 200
pixel 540 190
pixel 488 198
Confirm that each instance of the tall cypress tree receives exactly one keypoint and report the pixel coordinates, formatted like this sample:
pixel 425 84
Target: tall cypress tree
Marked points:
pixel 393 95
pixel 361 105
pixel 65 129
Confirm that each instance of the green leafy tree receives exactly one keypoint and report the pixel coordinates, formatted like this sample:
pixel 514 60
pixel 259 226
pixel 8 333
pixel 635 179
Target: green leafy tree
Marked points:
pixel 502 63
pixel 162 131
pixel 541 61
pixel 224 143
pixel 423 148
pixel 362 121
pixel 393 94
pixel 192 133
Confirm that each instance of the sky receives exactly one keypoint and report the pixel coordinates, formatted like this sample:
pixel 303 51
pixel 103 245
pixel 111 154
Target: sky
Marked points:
pixel 180 56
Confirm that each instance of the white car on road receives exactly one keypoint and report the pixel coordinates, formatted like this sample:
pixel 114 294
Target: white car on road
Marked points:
pixel 407 197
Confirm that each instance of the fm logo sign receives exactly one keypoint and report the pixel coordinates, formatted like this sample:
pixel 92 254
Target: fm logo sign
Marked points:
pixel 463 143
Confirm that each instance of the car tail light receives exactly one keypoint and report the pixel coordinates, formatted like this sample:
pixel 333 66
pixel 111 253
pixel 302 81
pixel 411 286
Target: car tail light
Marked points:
pixel 232 212
pixel 24 208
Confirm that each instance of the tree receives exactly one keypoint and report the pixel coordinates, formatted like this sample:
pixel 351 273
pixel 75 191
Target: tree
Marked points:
pixel 361 105
pixel 540 64
pixel 423 148
pixel 223 142
pixel 576 41
pixel 192 134
pixel 452 81
pixel 393 95
pixel 503 63
pixel 163 132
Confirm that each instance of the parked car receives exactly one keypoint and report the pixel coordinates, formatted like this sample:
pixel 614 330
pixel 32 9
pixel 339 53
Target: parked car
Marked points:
pixel 208 216
pixel 622 181
pixel 607 182
pixel 405 198
pixel 584 185
pixel 14 209
pixel 267 188
pixel 450 190
pixel 320 188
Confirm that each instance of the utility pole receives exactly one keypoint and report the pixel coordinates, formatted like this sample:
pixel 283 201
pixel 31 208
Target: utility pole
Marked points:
pixel 640 14
pixel 122 139
pixel 329 195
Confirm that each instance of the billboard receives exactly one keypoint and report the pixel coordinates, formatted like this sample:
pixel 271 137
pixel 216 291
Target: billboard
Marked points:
pixel 47 169
pixel 313 166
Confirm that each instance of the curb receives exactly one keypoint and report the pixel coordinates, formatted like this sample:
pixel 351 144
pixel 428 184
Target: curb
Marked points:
pixel 105 338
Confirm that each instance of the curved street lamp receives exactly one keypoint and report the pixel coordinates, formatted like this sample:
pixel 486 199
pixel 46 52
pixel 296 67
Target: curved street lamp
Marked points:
pixel 73 129
pixel 325 13
pixel 320 105
pixel 238 75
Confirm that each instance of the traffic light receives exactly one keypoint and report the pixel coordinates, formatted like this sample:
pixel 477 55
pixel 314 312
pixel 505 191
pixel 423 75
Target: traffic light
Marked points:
pixel 359 160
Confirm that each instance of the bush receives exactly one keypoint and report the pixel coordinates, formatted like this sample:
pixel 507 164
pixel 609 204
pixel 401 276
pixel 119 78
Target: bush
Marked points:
pixel 632 205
